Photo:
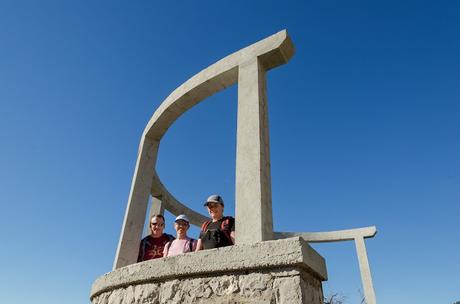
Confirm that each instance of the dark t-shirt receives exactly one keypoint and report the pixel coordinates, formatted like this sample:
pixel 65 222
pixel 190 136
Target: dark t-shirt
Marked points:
pixel 214 237
pixel 152 248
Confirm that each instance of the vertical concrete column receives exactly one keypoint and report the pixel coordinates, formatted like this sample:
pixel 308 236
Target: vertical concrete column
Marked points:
pixel 131 232
pixel 365 270
pixel 156 207
pixel 254 222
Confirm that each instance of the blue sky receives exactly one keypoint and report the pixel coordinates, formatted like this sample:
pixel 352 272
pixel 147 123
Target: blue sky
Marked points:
pixel 364 130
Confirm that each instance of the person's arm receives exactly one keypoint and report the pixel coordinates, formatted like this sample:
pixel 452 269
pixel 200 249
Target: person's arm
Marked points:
pixel 232 236
pixel 199 245
pixel 140 255
pixel 232 230
pixel 194 245
pixel 165 250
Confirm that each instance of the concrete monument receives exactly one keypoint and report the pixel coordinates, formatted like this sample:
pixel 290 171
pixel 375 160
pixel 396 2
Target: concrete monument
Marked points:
pixel 264 266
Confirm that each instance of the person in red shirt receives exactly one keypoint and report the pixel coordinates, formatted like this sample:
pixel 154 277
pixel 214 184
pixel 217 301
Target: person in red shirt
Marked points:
pixel 152 246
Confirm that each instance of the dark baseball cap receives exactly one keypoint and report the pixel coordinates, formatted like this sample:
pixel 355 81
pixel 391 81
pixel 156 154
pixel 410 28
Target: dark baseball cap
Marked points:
pixel 214 199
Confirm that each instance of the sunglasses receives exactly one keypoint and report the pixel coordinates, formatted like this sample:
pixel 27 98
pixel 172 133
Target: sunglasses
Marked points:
pixel 181 223
pixel 211 206
pixel 156 224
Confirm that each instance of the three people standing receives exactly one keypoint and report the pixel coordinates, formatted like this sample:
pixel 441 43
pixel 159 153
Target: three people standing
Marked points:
pixel 218 232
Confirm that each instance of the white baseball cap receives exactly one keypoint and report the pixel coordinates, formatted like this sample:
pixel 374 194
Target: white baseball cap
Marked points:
pixel 182 217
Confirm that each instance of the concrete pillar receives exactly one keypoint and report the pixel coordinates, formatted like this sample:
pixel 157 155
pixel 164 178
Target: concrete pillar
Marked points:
pixel 156 207
pixel 131 232
pixel 254 221
pixel 365 270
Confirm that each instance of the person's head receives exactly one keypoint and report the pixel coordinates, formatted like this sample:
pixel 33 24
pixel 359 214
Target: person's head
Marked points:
pixel 157 225
pixel 181 224
pixel 215 205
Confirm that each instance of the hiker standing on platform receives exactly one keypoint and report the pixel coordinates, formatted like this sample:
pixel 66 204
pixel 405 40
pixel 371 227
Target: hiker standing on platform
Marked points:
pixel 152 245
pixel 182 243
pixel 220 230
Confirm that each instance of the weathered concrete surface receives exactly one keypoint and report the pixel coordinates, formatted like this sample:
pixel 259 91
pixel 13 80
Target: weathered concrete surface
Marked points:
pixel 253 196
pixel 281 271
pixel 133 223
pixel 365 270
pixel 358 235
pixel 269 52
pixel 331 236
pixel 286 287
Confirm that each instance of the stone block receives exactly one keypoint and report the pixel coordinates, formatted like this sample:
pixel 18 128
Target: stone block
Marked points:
pixel 285 271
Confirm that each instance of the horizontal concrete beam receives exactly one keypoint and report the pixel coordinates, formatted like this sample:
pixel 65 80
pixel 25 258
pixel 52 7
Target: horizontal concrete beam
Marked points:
pixel 331 236
pixel 358 235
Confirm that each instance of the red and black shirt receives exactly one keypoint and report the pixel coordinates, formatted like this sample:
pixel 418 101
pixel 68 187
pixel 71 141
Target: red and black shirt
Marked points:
pixel 217 234
pixel 152 248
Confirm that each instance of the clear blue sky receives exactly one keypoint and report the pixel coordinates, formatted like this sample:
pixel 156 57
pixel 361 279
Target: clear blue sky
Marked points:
pixel 364 130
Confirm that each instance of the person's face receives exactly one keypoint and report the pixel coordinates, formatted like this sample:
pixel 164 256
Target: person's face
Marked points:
pixel 157 226
pixel 216 211
pixel 181 227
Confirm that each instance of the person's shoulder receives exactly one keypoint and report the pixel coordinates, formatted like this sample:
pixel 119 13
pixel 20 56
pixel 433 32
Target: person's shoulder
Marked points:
pixel 205 224
pixel 146 238
pixel 169 236
pixel 228 222
pixel 228 218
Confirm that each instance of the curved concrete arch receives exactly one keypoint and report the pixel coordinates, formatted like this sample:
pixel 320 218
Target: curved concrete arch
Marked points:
pixel 173 205
pixel 271 52
pixel 247 67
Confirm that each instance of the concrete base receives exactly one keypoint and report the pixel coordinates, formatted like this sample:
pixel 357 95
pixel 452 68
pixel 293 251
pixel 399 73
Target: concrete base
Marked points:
pixel 282 271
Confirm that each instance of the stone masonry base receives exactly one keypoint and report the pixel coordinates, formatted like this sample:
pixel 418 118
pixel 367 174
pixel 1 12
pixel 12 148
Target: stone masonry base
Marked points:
pixel 290 272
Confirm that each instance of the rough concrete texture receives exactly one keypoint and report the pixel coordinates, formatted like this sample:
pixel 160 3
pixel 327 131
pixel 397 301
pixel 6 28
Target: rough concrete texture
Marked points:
pixel 358 235
pixel 269 53
pixel 253 197
pixel 289 287
pixel 281 271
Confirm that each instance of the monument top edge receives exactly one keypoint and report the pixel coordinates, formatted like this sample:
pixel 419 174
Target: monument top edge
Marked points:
pixel 272 51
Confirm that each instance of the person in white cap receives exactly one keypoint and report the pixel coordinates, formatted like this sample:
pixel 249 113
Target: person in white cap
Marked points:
pixel 220 230
pixel 182 243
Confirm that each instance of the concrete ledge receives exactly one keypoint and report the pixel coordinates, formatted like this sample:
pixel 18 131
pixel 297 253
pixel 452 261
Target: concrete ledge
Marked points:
pixel 292 252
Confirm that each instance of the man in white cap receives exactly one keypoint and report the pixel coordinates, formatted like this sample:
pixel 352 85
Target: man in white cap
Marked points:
pixel 182 243
pixel 220 230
